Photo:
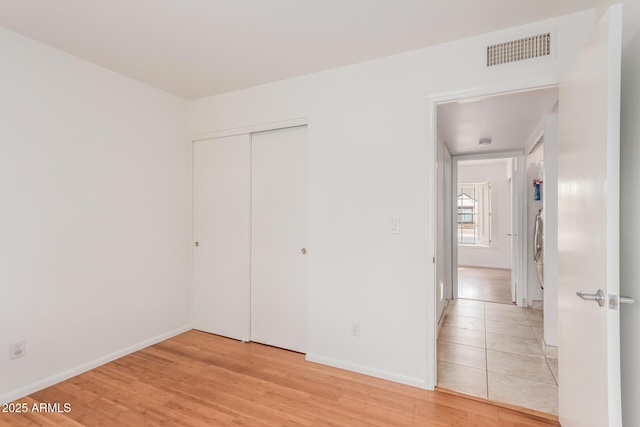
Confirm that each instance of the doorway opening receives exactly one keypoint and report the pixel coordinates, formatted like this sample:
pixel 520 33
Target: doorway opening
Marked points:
pixel 492 341
pixel 483 229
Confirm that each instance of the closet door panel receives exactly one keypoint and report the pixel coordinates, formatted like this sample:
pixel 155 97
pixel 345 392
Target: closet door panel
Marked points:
pixel 279 231
pixel 221 235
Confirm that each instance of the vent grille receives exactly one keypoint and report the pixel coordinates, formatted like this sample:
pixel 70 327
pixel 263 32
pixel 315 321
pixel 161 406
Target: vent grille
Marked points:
pixel 519 50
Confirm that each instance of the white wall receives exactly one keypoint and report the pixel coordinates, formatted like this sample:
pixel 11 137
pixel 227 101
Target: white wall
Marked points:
pixel 371 156
pixel 95 216
pixel 630 226
pixel 498 255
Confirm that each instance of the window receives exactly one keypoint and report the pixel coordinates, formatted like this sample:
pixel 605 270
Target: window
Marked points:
pixel 474 214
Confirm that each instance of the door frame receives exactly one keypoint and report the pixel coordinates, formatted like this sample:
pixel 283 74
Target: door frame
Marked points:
pixel 489 89
pixel 519 228
pixel 258 127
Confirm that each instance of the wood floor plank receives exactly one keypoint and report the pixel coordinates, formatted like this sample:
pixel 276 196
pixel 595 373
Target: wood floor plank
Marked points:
pixel 199 379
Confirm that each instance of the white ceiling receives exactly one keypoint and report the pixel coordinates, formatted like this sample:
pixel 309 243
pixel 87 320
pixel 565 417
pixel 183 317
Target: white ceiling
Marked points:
pixel 509 120
pixel 195 48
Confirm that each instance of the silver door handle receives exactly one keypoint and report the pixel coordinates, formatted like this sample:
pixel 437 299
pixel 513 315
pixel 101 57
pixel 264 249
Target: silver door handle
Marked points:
pixel 598 296
pixel 626 300
pixel 509 234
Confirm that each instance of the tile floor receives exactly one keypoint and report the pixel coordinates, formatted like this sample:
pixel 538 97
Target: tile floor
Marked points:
pixel 495 351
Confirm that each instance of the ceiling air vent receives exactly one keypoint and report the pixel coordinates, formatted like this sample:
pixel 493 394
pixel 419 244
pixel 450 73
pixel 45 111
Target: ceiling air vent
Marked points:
pixel 519 50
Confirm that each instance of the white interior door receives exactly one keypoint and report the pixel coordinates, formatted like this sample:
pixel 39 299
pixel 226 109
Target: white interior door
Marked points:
pixel 588 230
pixel 221 231
pixel 279 231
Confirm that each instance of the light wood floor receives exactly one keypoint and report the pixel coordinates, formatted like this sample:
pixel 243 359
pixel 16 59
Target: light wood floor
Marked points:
pixel 485 284
pixel 199 379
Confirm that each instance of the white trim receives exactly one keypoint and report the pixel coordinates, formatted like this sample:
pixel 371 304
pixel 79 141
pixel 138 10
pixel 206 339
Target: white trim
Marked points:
pixel 54 379
pixel 488 156
pixel 495 89
pixel 613 212
pixel 260 127
pixel 432 224
pixel 534 138
pixel 193 236
pixel 453 211
pixel 520 180
pixel 448 243
pixel 353 367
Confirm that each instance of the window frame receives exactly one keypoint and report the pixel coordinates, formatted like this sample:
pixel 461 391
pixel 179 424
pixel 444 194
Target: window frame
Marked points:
pixel 480 213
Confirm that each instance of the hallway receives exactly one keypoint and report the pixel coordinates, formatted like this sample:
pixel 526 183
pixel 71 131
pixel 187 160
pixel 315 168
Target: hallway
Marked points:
pixel 485 284
pixel 496 351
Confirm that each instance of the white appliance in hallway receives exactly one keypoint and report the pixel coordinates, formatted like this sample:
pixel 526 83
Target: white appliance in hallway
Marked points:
pixel 538 246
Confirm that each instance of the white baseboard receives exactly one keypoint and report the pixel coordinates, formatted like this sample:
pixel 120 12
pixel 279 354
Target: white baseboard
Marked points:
pixel 402 379
pixel 54 379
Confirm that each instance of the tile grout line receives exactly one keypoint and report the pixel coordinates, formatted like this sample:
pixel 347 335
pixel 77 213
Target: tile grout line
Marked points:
pixel 544 353
pixel 517 376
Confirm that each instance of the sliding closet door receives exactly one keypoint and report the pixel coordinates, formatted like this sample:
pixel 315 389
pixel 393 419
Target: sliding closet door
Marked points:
pixel 221 236
pixel 279 230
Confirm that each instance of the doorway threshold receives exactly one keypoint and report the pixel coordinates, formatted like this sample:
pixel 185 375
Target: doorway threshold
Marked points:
pixel 534 415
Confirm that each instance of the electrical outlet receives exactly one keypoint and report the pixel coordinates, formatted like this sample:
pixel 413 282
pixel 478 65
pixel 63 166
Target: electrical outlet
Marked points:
pixel 17 349
pixel 355 329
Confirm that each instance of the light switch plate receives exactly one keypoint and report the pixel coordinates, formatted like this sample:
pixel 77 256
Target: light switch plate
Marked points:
pixel 394 225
